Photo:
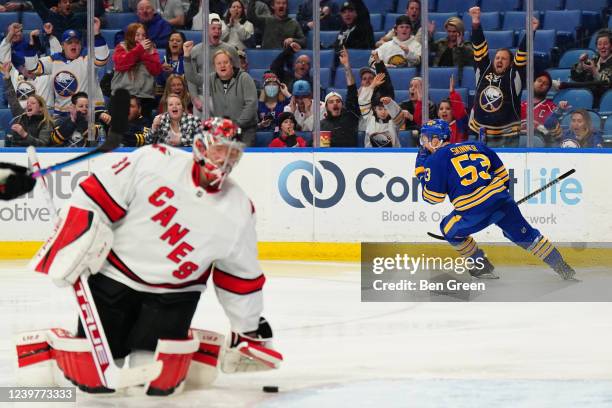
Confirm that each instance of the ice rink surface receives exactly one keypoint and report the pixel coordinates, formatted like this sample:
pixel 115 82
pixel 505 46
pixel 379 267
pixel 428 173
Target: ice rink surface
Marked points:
pixel 340 352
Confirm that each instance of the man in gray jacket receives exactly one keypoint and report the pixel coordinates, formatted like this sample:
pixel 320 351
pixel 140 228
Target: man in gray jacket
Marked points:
pixel 232 93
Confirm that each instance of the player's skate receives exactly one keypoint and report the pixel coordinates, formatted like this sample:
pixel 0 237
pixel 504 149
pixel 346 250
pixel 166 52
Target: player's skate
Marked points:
pixel 486 272
pixel 565 271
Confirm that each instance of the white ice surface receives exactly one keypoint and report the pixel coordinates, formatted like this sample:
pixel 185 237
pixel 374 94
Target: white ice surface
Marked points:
pixel 341 352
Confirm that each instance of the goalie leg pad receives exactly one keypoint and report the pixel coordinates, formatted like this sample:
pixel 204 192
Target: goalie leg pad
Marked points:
pixel 203 370
pixel 176 356
pixel 81 241
pixel 74 359
pixel 34 360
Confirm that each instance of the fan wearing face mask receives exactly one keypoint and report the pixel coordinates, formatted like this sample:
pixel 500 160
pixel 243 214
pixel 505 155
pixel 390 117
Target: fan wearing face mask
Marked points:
pixel 273 98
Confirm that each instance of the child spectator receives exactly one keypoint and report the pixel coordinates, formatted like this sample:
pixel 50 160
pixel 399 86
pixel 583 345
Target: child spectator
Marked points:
pixel 301 106
pixel 72 129
pixel 452 110
pixel 272 101
pixel 176 127
pixel 239 30
pixel 286 137
pixel 412 110
pixel 138 129
pixel 136 66
pixel 403 50
pixel 382 128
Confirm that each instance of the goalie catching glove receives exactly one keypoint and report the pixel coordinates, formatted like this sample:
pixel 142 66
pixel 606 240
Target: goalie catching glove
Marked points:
pixel 80 243
pixel 15 181
pixel 251 351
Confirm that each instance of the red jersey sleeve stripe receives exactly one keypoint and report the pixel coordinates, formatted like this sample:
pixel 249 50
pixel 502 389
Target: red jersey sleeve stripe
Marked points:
pixel 234 284
pixel 99 195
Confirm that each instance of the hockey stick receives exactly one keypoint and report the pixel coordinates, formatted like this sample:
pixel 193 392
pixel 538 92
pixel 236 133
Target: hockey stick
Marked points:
pixel 522 200
pixel 119 107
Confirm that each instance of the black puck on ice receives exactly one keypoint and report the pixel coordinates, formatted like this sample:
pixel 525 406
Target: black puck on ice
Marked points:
pixel 270 388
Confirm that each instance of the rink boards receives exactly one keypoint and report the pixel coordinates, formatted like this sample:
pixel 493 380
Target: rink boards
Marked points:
pixel 321 203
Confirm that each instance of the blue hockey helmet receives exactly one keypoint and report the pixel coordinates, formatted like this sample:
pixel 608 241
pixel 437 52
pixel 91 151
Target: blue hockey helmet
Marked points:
pixel 435 128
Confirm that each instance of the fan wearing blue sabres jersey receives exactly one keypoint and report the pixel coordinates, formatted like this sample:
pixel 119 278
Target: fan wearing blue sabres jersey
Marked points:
pixel 476 182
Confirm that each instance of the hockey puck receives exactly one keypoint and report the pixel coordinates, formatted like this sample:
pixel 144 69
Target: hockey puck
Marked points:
pixel 270 388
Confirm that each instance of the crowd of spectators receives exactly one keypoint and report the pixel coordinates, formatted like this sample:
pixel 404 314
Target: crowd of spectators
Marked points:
pixel 159 60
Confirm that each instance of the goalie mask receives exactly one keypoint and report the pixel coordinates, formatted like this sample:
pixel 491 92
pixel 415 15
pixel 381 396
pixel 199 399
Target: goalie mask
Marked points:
pixel 217 149
pixel 434 134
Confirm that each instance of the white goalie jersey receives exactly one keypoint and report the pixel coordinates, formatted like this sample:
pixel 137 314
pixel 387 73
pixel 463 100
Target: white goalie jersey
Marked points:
pixel 171 235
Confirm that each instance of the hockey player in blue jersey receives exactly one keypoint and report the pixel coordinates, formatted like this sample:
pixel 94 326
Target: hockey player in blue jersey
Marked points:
pixel 476 182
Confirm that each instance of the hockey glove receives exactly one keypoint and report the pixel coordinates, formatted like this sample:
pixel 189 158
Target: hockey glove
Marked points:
pixel 14 181
pixel 419 167
pixel 251 351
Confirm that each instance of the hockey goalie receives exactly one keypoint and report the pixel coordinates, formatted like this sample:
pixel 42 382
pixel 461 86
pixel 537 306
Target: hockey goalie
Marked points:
pixel 148 233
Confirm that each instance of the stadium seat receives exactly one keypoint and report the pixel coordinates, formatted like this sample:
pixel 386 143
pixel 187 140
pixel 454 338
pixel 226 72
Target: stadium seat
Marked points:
pixel 193 35
pixel 437 95
pixel 31 21
pixel 293 6
pixel 577 98
pixel 500 5
pixel 379 6
pixel 440 18
pixel 326 38
pixel 257 73
pixel 500 39
pixel 401 95
pixel 359 58
pixel 562 74
pixel 536 141
pixel 263 139
pixel 595 120
pixel 547 5
pixel 259 58
pixel 488 20
pixel 307 136
pixel 119 21
pixel 566 22
pixel 605 105
pixel 590 5
pixel 325 77
pixel 376 20
pixel 439 77
pixel 390 21
pixel 570 57
pixel 6 19
pixel 446 6
pixel 379 34
pixel 405 137
pixel 607 130
pixel 340 79
pixel 400 77
pixel 109 36
pixel 468 80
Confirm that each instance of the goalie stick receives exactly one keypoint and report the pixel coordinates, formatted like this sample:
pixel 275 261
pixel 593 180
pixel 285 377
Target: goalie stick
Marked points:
pixel 111 375
pixel 527 197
